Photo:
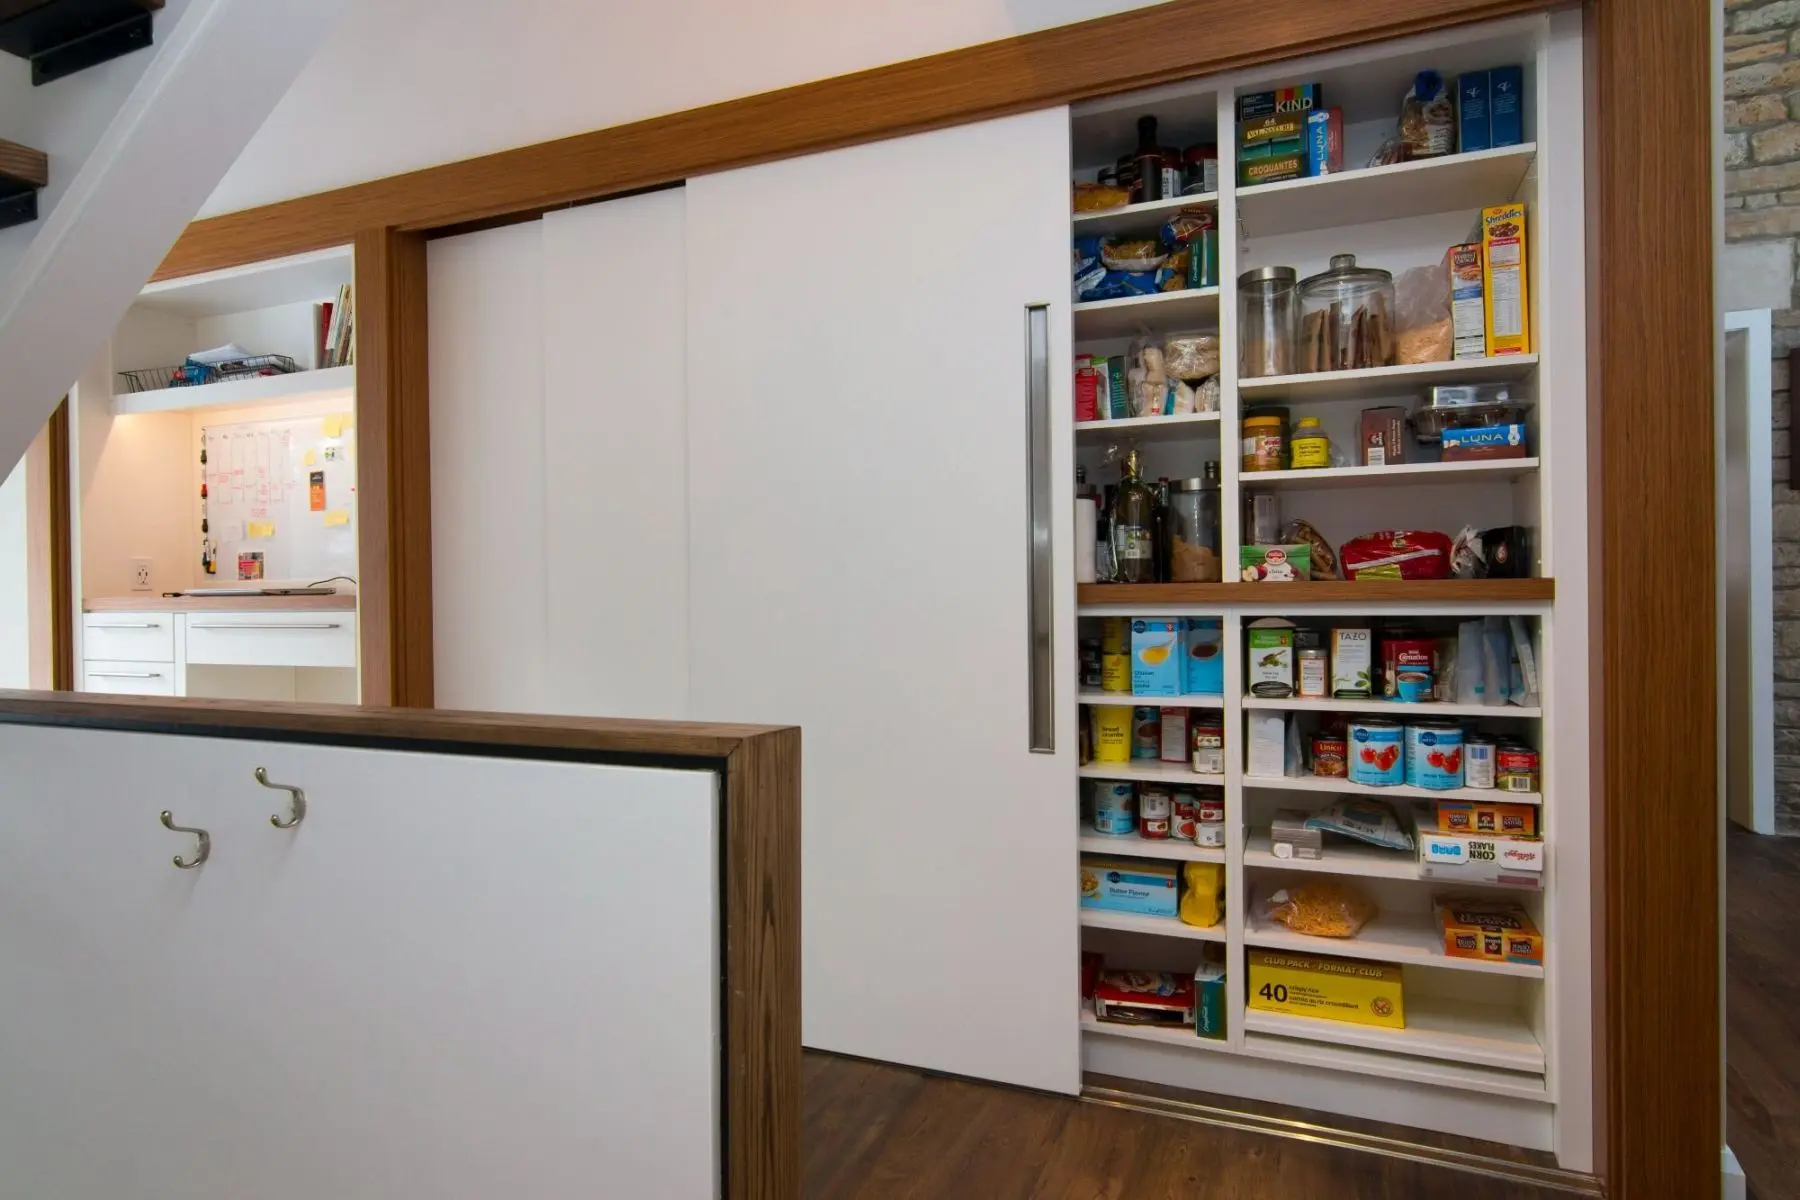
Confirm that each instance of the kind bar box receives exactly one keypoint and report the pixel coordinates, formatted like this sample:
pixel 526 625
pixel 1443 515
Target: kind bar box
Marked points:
pixel 1156 656
pixel 1287 101
pixel 1494 930
pixel 1468 315
pixel 1503 281
pixel 1472 129
pixel 1332 989
pixel 1133 885
pixel 1506 97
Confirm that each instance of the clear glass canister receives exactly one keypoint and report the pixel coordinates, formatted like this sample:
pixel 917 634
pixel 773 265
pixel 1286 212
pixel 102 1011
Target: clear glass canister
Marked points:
pixel 1346 318
pixel 1266 322
pixel 1194 529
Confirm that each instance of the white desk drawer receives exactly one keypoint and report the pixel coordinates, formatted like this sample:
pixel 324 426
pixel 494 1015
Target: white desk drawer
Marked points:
pixel 128 678
pixel 265 639
pixel 128 637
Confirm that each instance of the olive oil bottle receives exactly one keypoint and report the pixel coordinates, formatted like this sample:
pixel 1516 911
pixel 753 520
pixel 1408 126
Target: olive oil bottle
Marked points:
pixel 1133 527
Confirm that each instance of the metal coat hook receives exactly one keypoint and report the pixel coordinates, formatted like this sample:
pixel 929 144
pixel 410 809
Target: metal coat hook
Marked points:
pixel 168 822
pixel 298 802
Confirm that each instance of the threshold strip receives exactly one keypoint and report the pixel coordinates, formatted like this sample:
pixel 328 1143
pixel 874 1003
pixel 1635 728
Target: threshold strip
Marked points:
pixel 1554 1178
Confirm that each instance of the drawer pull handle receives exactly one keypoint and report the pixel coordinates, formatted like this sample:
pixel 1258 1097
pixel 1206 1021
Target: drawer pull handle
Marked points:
pixel 129 625
pixel 333 625
pixel 126 674
pixel 205 839
pixel 298 799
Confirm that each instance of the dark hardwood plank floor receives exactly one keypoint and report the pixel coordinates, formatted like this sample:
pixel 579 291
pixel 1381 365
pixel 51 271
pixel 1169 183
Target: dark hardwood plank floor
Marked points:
pixel 878 1132
pixel 1762 1010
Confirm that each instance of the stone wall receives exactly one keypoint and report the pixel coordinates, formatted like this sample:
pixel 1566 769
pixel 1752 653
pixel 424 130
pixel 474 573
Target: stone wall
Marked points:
pixel 1762 223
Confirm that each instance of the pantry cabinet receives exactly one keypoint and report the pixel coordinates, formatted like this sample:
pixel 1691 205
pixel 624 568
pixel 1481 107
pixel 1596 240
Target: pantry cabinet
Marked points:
pixel 867 332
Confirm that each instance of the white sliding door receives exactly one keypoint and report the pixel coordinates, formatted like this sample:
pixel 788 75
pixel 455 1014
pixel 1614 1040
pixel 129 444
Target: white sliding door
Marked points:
pixel 860 553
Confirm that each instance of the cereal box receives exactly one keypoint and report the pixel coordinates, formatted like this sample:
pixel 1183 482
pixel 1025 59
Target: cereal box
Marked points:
pixel 1332 989
pixel 1468 315
pixel 1503 279
pixel 1495 930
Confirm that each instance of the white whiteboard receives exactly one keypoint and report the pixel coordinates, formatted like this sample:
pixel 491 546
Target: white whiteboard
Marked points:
pixel 260 478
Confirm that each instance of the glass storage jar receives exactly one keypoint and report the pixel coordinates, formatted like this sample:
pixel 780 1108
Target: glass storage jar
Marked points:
pixel 1266 322
pixel 1346 318
pixel 1194 529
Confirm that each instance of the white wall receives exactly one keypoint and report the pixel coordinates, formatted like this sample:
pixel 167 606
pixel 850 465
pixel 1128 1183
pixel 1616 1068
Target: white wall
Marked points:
pixel 15 617
pixel 403 84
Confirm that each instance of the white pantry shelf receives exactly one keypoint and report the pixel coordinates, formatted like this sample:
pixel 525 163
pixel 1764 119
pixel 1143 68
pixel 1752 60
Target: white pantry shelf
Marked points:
pixel 1409 379
pixel 1174 427
pixel 1409 939
pixel 1175 927
pixel 1458 1031
pixel 1433 1072
pixel 1454 183
pixel 1148 769
pixel 1130 845
pixel 1487 470
pixel 1132 218
pixel 231 393
pixel 1184 1037
pixel 1098 320
pixel 1397 709
pixel 1402 791
pixel 1119 699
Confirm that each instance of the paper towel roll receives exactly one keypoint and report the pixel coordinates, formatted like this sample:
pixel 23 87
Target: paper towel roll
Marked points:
pixel 1086 519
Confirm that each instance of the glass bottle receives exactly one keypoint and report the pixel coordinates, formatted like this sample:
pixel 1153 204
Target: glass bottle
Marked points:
pixel 1106 568
pixel 1149 161
pixel 1133 526
pixel 1160 530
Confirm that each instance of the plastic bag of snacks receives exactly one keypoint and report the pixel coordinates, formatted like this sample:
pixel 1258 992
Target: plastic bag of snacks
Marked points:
pixel 1132 254
pixel 1368 821
pixel 1396 554
pixel 1422 328
pixel 1093 197
pixel 1320 908
pixel 1191 356
pixel 1202 894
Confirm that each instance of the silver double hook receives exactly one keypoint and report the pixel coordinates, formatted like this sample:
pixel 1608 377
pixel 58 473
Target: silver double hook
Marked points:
pixel 205 851
pixel 297 801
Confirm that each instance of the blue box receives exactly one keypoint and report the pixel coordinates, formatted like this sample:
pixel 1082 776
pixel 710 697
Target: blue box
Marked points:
pixel 1487 441
pixel 1324 141
pixel 1156 656
pixel 1473 131
pixel 1132 885
pixel 1203 646
pixel 1506 106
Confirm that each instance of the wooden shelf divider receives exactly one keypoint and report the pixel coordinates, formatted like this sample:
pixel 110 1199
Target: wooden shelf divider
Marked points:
pixel 1425 591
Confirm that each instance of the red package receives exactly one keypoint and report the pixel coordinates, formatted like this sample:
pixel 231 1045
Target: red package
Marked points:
pixel 1397 554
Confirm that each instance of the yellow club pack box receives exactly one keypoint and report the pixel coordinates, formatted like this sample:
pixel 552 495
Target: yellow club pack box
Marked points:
pixel 1332 989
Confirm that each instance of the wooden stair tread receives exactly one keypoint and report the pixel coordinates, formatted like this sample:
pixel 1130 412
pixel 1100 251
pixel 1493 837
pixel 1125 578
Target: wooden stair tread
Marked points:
pixel 24 165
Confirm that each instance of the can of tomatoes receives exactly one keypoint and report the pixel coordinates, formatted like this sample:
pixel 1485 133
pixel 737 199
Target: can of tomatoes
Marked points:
pixel 1434 755
pixel 1375 753
pixel 1516 767
pixel 1186 815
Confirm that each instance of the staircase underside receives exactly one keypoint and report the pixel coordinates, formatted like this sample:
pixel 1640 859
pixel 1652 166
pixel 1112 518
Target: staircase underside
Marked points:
pixel 22 172
pixel 61 37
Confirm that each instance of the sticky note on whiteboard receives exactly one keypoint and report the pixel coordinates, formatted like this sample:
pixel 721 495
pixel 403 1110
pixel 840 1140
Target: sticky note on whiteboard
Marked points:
pixel 337 516
pixel 260 529
pixel 334 424
pixel 312 457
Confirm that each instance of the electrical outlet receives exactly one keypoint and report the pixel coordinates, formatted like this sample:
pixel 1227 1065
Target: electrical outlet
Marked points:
pixel 140 574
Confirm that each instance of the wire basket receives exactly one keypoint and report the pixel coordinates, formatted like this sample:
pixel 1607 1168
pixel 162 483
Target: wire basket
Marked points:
pixel 155 379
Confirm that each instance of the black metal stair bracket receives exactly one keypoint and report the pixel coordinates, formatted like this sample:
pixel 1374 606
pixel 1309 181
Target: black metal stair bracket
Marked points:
pixel 23 171
pixel 61 37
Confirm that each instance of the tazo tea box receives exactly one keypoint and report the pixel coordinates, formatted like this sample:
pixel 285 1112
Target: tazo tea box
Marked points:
pixel 1352 659
pixel 1468 314
pixel 1503 279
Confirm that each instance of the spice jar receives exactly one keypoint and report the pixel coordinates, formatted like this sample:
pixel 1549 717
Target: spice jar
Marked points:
pixel 1265 442
pixel 1194 529
pixel 1311 447
pixel 1346 318
pixel 1266 322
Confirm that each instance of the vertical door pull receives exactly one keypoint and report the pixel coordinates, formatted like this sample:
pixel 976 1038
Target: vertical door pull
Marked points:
pixel 205 838
pixel 297 801
pixel 1042 682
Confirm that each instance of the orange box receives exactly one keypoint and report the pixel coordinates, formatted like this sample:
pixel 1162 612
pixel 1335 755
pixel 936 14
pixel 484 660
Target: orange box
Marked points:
pixel 1504 289
pixel 1494 930
pixel 1481 816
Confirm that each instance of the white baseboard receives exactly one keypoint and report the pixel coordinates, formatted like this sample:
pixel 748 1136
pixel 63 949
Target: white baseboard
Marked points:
pixel 1736 1187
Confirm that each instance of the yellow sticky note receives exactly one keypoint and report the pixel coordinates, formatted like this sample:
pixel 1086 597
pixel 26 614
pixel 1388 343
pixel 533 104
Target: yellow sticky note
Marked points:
pixel 261 529
pixel 334 425
pixel 311 457
pixel 337 516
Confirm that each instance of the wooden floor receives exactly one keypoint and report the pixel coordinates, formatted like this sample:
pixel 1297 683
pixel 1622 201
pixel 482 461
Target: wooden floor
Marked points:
pixel 1762 1010
pixel 877 1131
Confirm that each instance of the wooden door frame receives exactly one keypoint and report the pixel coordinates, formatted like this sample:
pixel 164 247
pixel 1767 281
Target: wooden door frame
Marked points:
pixel 49 556
pixel 1651 348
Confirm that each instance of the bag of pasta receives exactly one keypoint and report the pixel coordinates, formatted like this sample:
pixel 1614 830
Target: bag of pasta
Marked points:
pixel 1320 908
pixel 1202 894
